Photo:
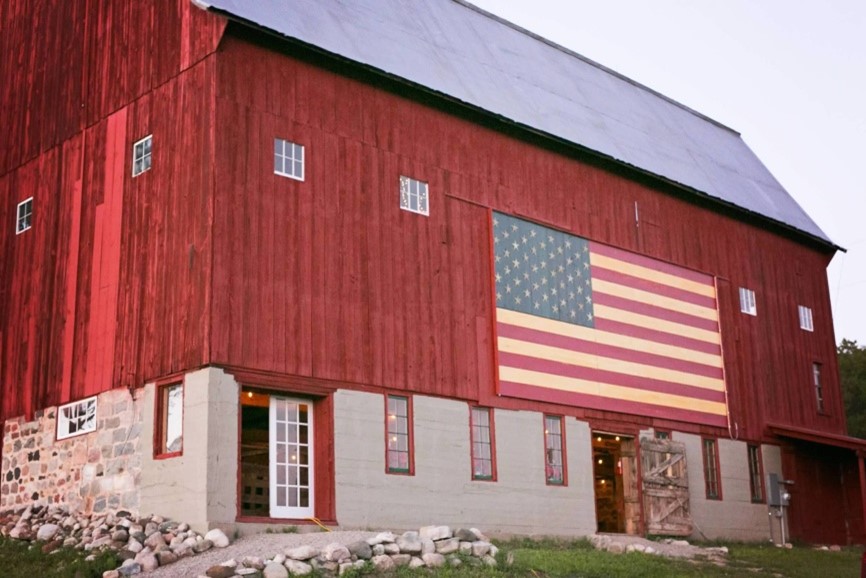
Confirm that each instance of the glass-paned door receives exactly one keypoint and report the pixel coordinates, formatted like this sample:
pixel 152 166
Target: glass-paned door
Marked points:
pixel 291 458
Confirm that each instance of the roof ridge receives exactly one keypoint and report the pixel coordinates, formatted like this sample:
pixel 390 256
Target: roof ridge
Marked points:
pixel 591 62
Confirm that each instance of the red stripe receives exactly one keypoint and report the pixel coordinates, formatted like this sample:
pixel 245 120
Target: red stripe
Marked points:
pixel 609 351
pixel 651 263
pixel 652 287
pixel 606 404
pixel 654 311
pixel 607 377
pixel 620 328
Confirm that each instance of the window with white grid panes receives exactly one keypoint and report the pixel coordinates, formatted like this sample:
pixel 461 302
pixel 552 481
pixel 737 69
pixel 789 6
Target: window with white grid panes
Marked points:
pixel 288 159
pixel 414 196
pixel 142 155
pixel 24 216
pixel 399 448
pixel 76 418
pixel 747 301
pixel 805 314
pixel 481 432
pixel 819 387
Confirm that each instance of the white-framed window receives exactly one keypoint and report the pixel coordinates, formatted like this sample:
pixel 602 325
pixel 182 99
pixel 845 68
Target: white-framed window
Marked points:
pixel 141 155
pixel 414 196
pixel 76 418
pixel 819 386
pixel 288 159
pixel 805 318
pixel 747 301
pixel 24 216
pixel 169 426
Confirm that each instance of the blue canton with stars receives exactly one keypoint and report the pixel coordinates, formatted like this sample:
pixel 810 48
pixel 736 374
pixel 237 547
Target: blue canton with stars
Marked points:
pixel 541 271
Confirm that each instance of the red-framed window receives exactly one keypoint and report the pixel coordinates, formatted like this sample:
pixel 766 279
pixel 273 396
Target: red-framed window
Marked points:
pixel 399 458
pixel 168 429
pixel 712 473
pixel 756 474
pixel 554 450
pixel 483 440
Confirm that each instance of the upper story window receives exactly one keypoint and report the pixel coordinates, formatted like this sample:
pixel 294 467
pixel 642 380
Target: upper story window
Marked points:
pixel 747 301
pixel 288 159
pixel 76 418
pixel 24 216
pixel 554 456
pixel 414 196
pixel 712 477
pixel 819 387
pixel 398 428
pixel 481 433
pixel 141 155
pixel 805 318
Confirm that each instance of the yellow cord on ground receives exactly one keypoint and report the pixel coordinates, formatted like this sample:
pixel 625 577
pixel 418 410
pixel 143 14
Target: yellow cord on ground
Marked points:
pixel 319 524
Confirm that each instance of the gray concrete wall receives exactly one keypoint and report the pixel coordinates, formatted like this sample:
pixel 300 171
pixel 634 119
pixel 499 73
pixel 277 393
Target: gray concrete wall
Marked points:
pixel 733 517
pixel 442 491
pixel 200 486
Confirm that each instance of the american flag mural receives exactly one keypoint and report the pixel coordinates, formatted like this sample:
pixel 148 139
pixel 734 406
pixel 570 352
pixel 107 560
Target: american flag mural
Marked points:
pixel 590 325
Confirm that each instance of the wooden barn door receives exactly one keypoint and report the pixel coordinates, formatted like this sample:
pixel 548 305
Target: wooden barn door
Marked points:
pixel 665 487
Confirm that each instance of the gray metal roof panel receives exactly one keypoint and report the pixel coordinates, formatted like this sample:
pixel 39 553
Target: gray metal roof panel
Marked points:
pixel 469 55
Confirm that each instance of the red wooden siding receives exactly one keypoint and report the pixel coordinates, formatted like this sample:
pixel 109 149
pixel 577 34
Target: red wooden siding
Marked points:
pixel 111 285
pixel 328 278
pixel 69 64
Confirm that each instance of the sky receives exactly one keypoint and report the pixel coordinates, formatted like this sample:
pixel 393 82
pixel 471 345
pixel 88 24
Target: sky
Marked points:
pixel 789 76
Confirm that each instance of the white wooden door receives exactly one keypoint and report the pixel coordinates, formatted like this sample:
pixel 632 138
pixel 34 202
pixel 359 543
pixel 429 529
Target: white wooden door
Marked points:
pixel 291 458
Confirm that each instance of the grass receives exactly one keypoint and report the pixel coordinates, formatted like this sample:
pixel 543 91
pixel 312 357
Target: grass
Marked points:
pixel 22 559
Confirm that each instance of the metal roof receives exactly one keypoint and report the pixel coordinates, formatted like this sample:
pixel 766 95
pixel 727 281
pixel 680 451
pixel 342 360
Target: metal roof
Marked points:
pixel 467 54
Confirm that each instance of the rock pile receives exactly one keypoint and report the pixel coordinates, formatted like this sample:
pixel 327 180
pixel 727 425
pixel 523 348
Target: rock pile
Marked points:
pixel 143 544
pixel 430 547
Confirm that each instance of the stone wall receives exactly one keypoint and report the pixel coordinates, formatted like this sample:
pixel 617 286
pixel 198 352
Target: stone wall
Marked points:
pixel 91 473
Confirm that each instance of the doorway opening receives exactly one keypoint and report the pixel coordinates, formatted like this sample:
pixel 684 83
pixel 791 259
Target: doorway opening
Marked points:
pixel 617 503
pixel 276 456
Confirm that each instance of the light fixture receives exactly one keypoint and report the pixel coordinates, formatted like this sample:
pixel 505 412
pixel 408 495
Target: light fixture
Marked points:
pixel 598 439
pixel 250 394
pixel 602 482
pixel 617 438
pixel 600 461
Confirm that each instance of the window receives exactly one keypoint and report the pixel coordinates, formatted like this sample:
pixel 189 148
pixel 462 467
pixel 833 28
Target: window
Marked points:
pixel 756 475
pixel 76 418
pixel 747 301
pixel 481 430
pixel 805 318
pixel 288 159
pixel 819 389
pixel 711 470
pixel 662 434
pixel 554 454
pixel 399 432
pixel 141 155
pixel 169 427
pixel 413 196
pixel 24 218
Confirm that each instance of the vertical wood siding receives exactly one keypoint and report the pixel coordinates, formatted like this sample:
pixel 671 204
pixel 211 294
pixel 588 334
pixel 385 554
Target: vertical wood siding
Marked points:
pixel 328 278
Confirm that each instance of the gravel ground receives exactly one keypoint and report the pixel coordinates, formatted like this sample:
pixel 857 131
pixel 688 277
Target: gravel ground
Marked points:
pixel 262 545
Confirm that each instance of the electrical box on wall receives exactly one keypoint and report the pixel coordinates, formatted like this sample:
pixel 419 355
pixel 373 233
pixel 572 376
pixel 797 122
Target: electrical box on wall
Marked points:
pixel 777 494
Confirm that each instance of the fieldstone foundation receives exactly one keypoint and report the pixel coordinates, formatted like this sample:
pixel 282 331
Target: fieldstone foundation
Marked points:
pixel 91 473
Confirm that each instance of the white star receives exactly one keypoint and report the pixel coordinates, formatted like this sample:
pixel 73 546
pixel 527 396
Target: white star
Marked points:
pixel 498 278
pixel 517 300
pixel 515 244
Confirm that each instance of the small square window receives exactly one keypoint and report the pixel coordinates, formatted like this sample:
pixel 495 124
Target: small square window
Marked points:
pixel 76 418
pixel 413 196
pixel 288 159
pixel 747 301
pixel 663 434
pixel 169 426
pixel 805 318
pixel 24 216
pixel 141 155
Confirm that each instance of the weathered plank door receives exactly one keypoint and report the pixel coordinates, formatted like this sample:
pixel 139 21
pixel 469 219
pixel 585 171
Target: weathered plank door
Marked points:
pixel 665 487
pixel 631 496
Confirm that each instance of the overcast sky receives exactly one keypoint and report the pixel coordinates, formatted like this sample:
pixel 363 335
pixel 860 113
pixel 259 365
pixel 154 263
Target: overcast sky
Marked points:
pixel 790 76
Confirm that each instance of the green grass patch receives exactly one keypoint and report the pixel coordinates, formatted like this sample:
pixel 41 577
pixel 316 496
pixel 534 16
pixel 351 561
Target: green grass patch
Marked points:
pixel 20 559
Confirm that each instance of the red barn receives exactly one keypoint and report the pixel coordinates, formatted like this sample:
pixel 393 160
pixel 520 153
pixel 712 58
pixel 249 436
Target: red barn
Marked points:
pixel 388 263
